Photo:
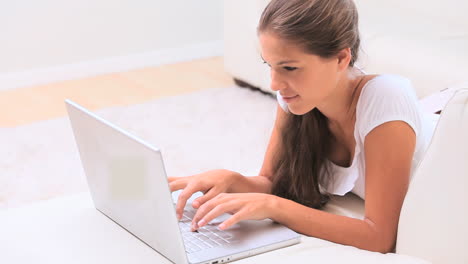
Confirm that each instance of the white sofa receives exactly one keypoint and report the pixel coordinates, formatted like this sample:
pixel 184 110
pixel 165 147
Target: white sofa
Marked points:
pixel 426 41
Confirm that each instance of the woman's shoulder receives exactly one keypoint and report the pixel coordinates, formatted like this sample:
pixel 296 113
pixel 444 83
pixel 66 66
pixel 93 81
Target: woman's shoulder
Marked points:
pixel 387 84
pixel 386 89
pixel 384 98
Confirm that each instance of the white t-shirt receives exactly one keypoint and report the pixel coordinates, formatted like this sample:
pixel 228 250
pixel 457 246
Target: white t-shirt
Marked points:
pixel 384 98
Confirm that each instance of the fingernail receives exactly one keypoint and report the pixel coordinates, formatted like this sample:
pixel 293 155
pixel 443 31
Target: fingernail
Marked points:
pixel 194 226
pixel 196 203
pixel 179 217
pixel 222 226
pixel 201 223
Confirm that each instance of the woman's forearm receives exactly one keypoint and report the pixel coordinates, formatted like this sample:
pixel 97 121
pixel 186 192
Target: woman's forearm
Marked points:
pixel 312 222
pixel 339 229
pixel 258 184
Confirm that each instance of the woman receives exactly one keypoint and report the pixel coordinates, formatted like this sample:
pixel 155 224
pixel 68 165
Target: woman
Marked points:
pixel 337 130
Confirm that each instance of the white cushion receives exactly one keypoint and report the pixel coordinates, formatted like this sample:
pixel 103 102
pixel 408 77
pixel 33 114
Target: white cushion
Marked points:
pixel 434 217
pixel 424 44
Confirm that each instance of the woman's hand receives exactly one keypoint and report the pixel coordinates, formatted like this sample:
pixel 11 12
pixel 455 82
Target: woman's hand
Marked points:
pixel 242 206
pixel 211 183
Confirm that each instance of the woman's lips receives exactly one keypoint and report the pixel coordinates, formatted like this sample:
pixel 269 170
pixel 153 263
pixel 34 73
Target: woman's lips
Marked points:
pixel 290 98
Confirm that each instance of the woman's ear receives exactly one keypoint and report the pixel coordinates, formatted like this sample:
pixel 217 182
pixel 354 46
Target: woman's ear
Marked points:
pixel 344 57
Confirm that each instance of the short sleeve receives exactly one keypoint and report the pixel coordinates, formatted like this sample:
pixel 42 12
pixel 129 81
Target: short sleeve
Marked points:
pixel 281 102
pixel 387 98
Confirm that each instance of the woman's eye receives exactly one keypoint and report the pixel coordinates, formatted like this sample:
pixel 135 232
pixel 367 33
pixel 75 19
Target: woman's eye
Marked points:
pixel 290 68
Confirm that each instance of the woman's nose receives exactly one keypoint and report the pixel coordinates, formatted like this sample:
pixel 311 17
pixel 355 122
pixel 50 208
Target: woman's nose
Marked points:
pixel 276 82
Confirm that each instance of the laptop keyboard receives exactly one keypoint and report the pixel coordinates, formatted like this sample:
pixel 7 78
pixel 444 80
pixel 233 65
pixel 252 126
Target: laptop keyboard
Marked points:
pixel 205 237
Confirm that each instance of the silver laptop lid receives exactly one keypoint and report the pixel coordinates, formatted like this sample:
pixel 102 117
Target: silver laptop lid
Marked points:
pixel 127 181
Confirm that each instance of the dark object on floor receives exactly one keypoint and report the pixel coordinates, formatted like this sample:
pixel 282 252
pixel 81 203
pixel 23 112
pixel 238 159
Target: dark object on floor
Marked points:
pixel 243 84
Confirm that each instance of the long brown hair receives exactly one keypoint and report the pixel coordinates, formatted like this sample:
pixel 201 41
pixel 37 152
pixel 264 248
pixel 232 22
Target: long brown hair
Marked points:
pixel 322 28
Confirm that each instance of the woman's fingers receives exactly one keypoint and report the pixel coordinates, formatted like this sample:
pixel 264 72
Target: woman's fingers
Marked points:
pixel 170 179
pixel 206 197
pixel 183 197
pixel 177 185
pixel 241 205
pixel 219 200
pixel 215 212
pixel 234 219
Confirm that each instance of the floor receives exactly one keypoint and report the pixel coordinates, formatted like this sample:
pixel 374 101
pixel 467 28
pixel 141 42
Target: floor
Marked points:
pixel 23 106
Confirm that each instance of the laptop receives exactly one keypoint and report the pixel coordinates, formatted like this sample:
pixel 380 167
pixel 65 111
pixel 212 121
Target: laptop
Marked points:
pixel 128 184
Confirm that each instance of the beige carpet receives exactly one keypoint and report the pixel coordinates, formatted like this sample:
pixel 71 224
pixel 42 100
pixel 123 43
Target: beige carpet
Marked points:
pixel 209 129
pixel 24 105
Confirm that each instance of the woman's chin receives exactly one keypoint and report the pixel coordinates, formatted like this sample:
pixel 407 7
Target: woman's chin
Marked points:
pixel 297 109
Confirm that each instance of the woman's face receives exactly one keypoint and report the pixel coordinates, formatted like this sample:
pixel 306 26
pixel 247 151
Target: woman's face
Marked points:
pixel 305 81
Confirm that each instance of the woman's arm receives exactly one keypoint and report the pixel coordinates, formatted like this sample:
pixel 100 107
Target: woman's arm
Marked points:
pixel 251 184
pixel 389 152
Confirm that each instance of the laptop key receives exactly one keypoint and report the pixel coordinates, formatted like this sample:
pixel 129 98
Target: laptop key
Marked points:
pixel 204 238
pixel 224 235
pixel 207 244
pixel 211 243
pixel 220 241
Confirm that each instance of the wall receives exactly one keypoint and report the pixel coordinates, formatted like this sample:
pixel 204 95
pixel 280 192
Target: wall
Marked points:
pixel 47 40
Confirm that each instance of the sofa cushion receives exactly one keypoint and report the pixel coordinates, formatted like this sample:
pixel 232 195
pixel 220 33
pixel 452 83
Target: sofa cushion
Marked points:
pixel 434 214
pixel 424 41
